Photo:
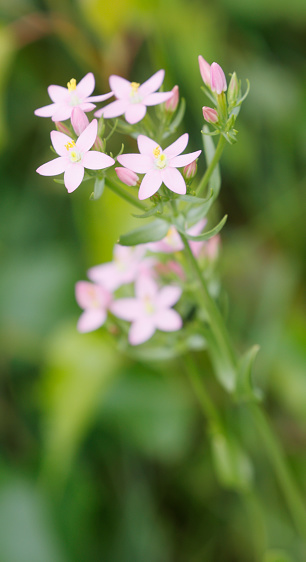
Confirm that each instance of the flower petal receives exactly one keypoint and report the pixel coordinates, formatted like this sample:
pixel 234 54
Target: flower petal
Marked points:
pixel 114 109
pixel 88 295
pixel 146 145
pixel 120 86
pixel 156 98
pixel 88 137
pixel 53 168
pixel 168 321
pixel 139 163
pixel 174 180
pixel 59 140
pixel 106 275
pixel 91 320
pixel 127 309
pixel 102 97
pixel 145 287
pixel 152 84
pixel 150 184
pixel 73 176
pixel 184 159
pixel 85 106
pixel 86 86
pixel 47 110
pixel 95 160
pixel 177 147
pixel 168 296
pixel 58 93
pixel 141 331
pixel 135 112
pixel 62 113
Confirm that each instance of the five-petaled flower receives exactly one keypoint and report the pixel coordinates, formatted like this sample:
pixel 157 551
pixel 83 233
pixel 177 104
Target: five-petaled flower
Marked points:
pixel 95 300
pixel 75 95
pixel 149 310
pixel 75 156
pixel 159 166
pixel 133 98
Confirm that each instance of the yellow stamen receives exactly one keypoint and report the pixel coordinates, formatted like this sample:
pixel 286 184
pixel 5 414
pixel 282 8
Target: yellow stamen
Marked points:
pixel 156 151
pixel 135 86
pixel 69 145
pixel 71 85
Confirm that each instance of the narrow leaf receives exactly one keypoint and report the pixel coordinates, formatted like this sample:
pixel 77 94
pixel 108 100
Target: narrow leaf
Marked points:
pixel 209 148
pixel 245 386
pixel 150 213
pixel 98 189
pixel 152 232
pixel 205 235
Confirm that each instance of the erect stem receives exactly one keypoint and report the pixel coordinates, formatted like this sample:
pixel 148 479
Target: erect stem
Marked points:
pixel 205 179
pixel 121 192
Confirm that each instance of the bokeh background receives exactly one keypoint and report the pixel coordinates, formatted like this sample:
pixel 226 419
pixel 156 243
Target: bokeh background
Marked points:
pixel 104 457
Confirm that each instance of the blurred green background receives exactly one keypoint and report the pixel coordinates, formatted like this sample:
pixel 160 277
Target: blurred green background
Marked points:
pixel 106 458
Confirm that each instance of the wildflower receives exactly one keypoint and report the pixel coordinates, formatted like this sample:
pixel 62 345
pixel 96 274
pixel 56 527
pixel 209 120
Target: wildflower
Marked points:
pixel 217 79
pixel 133 98
pixel 204 70
pixel 127 176
pixel 172 242
pixel 125 267
pixel 210 115
pixel 149 311
pixel 75 95
pixel 172 103
pixel 159 166
pixel 79 120
pixel 75 156
pixel 95 300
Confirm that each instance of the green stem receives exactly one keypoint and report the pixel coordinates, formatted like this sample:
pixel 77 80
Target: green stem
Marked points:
pixel 287 484
pixel 205 179
pixel 121 192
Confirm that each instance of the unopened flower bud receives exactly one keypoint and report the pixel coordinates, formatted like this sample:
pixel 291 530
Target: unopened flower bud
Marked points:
pixel 210 115
pixel 172 103
pixel 190 170
pixel 79 120
pixel 62 128
pixel 127 176
pixel 98 145
pixel 204 70
pixel 218 80
pixel 233 89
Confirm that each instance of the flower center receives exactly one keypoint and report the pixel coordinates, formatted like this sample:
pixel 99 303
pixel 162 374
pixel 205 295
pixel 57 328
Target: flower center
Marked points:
pixel 148 305
pixel 73 152
pixel 171 237
pixel 71 85
pixel 160 158
pixel 134 95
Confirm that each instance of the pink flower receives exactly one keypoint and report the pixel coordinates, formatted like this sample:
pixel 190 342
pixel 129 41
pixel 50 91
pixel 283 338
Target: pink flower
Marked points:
pixel 79 120
pixel 189 172
pixel 204 70
pixel 210 115
pixel 75 156
pixel 127 176
pixel 159 166
pixel 173 242
pixel 133 98
pixel 217 78
pixel 172 103
pixel 65 99
pixel 128 262
pixel 95 301
pixel 149 310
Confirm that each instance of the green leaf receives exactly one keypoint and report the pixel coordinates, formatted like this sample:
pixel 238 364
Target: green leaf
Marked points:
pixel 233 466
pixel 152 232
pixel 98 189
pixel 193 199
pixel 151 212
pixel 245 388
pixel 206 235
pixel 209 148
pixel 179 116
pixel 197 212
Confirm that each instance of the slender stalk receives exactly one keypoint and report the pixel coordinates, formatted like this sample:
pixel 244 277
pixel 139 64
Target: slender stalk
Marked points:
pixel 205 179
pixel 121 192
pixel 285 480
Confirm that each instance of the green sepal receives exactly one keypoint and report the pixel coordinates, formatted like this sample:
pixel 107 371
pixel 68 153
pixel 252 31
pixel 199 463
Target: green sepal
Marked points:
pixel 205 235
pixel 98 189
pixel 151 232
pixel 245 390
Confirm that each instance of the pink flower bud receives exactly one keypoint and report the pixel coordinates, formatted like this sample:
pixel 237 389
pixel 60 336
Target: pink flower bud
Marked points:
pixel 217 77
pixel 62 128
pixel 190 170
pixel 204 70
pixel 172 103
pixel 98 145
pixel 127 176
pixel 210 115
pixel 79 120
